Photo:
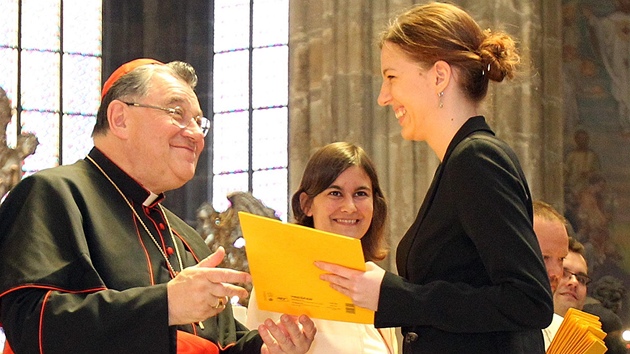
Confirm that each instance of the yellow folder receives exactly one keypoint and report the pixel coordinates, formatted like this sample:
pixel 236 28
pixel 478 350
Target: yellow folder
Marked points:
pixel 281 257
pixel 579 333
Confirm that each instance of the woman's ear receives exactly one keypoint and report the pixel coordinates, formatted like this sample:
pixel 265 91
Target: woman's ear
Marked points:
pixel 117 118
pixel 443 75
pixel 305 204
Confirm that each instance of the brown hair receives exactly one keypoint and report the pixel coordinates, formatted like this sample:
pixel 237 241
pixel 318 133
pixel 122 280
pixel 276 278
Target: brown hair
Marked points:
pixel 137 83
pixel 576 247
pixel 322 170
pixel 437 31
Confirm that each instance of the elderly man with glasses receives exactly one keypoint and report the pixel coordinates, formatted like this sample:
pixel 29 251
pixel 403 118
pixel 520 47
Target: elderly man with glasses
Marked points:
pixel 93 263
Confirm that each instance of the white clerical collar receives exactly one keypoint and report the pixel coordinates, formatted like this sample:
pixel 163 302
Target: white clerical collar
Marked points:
pixel 150 199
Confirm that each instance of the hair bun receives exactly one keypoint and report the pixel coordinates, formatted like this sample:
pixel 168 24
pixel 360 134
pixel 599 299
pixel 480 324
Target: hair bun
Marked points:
pixel 498 56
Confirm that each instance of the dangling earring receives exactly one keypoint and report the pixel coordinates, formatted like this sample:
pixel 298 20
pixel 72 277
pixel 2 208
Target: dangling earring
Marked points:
pixel 440 95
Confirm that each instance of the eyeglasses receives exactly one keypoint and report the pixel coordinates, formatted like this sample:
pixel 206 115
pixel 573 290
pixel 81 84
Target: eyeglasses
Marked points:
pixel 177 116
pixel 580 277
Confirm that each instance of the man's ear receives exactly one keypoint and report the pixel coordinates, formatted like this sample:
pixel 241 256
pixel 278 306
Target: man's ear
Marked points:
pixel 305 204
pixel 443 75
pixel 117 118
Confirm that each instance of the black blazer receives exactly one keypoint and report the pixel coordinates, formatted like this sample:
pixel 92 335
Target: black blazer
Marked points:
pixel 472 277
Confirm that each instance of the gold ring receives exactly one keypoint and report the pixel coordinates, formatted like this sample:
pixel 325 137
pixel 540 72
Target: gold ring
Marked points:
pixel 220 303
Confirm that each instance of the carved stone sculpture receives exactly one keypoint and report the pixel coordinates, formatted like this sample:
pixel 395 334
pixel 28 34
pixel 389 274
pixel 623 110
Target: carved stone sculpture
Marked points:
pixel 11 158
pixel 224 229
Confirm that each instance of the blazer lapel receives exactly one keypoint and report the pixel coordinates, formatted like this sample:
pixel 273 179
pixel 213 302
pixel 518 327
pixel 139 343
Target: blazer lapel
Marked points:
pixel 410 239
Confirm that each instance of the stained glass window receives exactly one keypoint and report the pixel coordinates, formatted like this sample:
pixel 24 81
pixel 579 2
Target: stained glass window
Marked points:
pixel 250 97
pixel 51 70
pixel 50 60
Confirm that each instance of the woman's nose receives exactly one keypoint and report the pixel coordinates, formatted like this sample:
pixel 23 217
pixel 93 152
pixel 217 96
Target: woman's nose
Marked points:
pixel 348 205
pixel 384 97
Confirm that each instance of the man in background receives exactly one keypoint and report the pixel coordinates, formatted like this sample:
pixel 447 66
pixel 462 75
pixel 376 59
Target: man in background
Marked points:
pixel 551 231
pixel 572 287
pixel 572 293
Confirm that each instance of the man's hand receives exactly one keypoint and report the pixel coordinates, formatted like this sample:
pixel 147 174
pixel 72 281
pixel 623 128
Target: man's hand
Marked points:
pixel 364 288
pixel 288 335
pixel 201 291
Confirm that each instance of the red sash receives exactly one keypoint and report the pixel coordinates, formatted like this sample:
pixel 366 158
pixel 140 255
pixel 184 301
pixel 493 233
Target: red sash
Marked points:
pixel 7 348
pixel 191 344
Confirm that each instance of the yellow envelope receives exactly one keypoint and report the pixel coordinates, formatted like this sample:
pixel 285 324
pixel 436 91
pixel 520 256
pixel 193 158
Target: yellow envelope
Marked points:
pixel 281 257
pixel 579 333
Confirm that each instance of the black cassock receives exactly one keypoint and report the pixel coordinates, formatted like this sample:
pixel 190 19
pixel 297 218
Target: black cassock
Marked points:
pixel 80 274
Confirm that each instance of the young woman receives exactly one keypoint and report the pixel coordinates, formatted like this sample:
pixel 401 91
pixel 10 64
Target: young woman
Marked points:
pixel 340 193
pixel 471 277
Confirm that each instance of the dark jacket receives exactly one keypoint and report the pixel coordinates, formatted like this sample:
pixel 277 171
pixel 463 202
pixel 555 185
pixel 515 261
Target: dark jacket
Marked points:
pixel 471 274
pixel 80 274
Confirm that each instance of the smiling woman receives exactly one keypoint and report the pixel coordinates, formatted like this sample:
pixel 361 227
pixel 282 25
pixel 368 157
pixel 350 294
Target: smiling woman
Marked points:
pixel 471 277
pixel 340 193
pixel 346 207
pixel 328 172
